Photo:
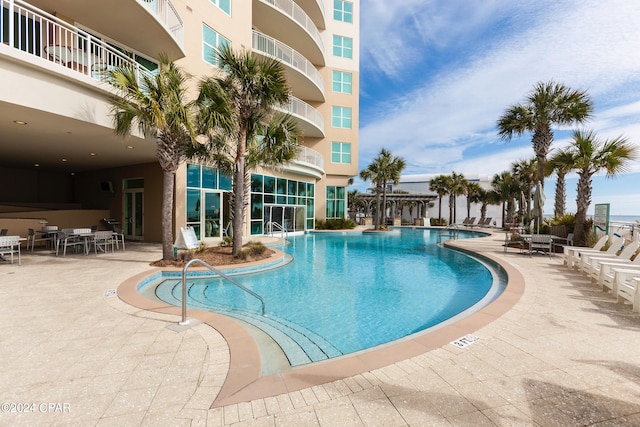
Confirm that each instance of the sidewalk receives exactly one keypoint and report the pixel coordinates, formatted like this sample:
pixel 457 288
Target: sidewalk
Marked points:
pixel 72 353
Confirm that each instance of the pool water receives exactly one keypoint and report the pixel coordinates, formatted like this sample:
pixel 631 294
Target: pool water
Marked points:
pixel 345 293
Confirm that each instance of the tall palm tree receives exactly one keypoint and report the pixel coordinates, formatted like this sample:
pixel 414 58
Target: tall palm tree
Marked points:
pixel 439 185
pixel 548 104
pixel 526 172
pixel 591 155
pixel 238 114
pixel 383 169
pixel 157 106
pixel 472 191
pixel 506 189
pixel 561 162
pixel 456 184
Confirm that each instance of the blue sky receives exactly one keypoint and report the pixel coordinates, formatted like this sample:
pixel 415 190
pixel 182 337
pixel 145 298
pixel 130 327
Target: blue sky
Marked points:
pixel 435 75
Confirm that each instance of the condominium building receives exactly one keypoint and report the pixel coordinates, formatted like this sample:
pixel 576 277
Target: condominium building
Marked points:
pixel 58 150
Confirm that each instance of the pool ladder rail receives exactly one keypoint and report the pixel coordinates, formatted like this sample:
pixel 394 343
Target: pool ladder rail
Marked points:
pixel 270 225
pixel 184 320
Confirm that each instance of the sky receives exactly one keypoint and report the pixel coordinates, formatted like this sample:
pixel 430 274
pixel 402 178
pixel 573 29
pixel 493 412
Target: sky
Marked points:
pixel 435 76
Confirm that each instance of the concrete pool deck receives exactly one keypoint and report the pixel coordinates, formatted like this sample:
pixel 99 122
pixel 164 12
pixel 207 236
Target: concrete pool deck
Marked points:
pixel 73 353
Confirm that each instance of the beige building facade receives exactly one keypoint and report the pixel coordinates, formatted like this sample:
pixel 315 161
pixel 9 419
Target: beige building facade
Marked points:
pixel 58 151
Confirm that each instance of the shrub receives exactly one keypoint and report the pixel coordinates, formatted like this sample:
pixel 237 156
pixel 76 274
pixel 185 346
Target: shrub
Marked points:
pixel 438 221
pixel 251 249
pixel 335 224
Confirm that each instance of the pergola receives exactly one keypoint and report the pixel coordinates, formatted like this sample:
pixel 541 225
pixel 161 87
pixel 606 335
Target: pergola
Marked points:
pixel 397 201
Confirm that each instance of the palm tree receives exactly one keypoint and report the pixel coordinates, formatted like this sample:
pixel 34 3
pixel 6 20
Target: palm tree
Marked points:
pixel 456 184
pixel 506 189
pixel 354 202
pixel 385 168
pixel 561 163
pixel 439 185
pixel 591 155
pixel 548 104
pixel 238 114
pixel 525 172
pixel 156 105
pixel 472 191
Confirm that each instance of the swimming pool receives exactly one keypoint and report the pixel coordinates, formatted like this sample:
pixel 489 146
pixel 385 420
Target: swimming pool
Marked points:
pixel 348 292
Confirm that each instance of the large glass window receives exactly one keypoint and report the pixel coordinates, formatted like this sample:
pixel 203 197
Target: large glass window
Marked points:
pixel 341 152
pixel 211 40
pixel 341 117
pixel 343 11
pixel 282 201
pixel 224 5
pixel 341 82
pixel 335 202
pixel 207 204
pixel 342 46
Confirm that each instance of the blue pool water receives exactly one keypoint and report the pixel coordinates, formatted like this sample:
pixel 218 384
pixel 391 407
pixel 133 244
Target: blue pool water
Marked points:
pixel 345 293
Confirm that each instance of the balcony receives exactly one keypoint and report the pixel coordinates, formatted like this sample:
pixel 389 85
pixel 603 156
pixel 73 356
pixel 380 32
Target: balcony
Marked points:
pixel 45 37
pixel 285 20
pixel 315 10
pixel 147 26
pixel 303 77
pixel 307 162
pixel 309 119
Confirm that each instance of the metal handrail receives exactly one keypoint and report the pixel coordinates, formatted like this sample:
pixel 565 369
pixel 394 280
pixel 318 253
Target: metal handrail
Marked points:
pixel 219 273
pixel 270 226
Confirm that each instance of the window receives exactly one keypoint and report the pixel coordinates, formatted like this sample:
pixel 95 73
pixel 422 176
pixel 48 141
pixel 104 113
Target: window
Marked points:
pixel 335 202
pixel 224 5
pixel 341 152
pixel 342 46
pixel 341 82
pixel 210 42
pixel 207 201
pixel 343 11
pixel 341 117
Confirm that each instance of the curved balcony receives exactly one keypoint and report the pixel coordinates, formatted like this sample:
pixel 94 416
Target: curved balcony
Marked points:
pixel 285 20
pixel 147 26
pixel 307 162
pixel 303 78
pixel 309 119
pixel 315 10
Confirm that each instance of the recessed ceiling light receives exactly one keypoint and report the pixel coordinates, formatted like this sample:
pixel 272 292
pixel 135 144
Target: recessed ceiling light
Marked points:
pixel 37 165
pixel 64 160
pixel 130 147
pixel 92 154
pixel 19 122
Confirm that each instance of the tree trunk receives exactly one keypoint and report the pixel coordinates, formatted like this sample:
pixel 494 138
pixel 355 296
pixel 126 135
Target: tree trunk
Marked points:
pixel 384 203
pixel 376 219
pixel 239 193
pixel 561 195
pixel 168 182
pixel 583 201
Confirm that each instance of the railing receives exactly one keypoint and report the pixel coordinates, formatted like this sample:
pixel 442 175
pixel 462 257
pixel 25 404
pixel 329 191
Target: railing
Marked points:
pixel 43 35
pixel 276 49
pixel 168 15
pixel 301 109
pixel 270 225
pixel 307 155
pixel 291 9
pixel 219 273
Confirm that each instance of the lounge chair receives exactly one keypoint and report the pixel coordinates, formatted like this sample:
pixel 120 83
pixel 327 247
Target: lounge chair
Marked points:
pixel 594 268
pixel 616 274
pixel 626 251
pixel 571 254
pixel 630 290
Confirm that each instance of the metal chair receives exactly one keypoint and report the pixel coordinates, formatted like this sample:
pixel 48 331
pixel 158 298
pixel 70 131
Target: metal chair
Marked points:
pixel 102 240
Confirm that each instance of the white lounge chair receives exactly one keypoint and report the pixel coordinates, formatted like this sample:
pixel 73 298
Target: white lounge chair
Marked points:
pixel 620 275
pixel 606 276
pixel 570 253
pixel 580 256
pixel 630 290
pixel 590 262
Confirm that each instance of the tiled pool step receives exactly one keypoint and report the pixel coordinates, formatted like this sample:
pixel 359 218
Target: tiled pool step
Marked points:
pixel 300 345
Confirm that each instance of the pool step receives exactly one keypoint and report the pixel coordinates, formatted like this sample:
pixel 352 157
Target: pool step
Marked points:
pixel 300 345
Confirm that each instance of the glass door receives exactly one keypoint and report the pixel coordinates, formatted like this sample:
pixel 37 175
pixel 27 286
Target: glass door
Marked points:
pixel 133 225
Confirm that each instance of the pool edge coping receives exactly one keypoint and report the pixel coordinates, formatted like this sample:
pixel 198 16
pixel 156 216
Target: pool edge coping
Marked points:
pixel 244 381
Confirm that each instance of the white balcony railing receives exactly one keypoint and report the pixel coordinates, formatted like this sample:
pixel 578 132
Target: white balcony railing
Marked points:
pixel 276 49
pixel 288 7
pixel 305 111
pixel 312 157
pixel 168 15
pixel 40 34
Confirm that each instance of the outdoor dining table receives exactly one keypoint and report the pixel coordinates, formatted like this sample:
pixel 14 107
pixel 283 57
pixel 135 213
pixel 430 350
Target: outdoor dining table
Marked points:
pixel 527 239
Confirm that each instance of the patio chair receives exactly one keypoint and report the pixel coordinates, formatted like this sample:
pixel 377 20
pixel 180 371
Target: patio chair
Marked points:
pixel 102 240
pixel 630 290
pixel 540 243
pixel 69 238
pixel 617 251
pixel 10 245
pixel 118 237
pixel 32 238
pixel 614 274
pixel 593 263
